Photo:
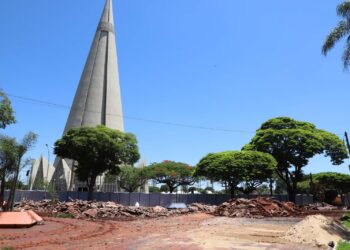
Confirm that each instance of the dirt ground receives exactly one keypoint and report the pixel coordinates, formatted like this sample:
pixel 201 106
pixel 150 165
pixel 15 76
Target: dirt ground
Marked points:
pixel 192 232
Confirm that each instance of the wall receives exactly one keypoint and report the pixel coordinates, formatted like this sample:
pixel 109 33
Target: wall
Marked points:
pixel 151 199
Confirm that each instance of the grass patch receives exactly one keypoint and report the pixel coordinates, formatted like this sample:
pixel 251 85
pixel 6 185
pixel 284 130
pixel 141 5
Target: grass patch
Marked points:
pixel 62 215
pixel 7 248
pixel 346 220
pixel 343 245
pixel 347 224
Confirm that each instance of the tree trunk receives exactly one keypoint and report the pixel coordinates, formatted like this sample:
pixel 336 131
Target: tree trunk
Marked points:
pixel 91 186
pixel 2 191
pixel 271 187
pixel 12 195
pixel 232 191
pixel 291 192
pixel 171 189
pixel 291 195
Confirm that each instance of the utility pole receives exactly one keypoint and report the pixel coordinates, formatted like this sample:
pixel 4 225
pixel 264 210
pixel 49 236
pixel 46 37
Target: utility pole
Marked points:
pixel 347 141
pixel 347 144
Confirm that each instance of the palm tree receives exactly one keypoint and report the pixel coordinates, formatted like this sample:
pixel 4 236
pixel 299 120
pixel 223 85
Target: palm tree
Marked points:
pixel 340 31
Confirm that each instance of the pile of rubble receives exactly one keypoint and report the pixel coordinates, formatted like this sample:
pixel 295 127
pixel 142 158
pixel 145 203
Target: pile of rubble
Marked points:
pixel 253 208
pixel 92 209
pixel 319 206
pixel 257 208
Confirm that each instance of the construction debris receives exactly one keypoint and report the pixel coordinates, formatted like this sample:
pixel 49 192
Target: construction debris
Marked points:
pixel 93 209
pixel 254 208
pixel 319 206
pixel 257 208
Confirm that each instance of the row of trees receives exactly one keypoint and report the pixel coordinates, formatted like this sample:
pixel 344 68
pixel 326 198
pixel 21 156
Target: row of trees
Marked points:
pixel 281 148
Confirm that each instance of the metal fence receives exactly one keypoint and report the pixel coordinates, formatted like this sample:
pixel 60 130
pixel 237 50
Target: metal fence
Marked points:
pixel 150 199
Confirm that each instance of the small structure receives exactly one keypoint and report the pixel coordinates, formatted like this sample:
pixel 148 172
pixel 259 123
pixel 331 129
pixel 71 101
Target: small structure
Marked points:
pixel 41 173
pixel 19 219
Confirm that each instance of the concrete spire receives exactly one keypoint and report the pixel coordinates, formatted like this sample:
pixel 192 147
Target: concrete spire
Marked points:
pixel 98 100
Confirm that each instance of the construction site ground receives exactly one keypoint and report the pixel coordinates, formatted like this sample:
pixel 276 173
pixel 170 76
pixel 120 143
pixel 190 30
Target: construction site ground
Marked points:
pixel 191 231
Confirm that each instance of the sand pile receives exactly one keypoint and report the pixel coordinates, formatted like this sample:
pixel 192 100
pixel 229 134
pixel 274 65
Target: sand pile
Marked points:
pixel 317 230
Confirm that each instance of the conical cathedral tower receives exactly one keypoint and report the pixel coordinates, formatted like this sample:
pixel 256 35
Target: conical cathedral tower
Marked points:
pixel 97 100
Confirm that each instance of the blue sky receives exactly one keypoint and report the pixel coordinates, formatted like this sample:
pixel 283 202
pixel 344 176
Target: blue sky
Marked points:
pixel 228 64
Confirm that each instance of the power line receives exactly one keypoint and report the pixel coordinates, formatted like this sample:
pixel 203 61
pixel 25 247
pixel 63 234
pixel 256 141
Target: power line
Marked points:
pixel 167 123
pixel 50 104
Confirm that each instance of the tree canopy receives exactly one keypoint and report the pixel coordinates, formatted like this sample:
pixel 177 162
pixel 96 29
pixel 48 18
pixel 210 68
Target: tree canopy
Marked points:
pixel 340 31
pixel 6 112
pixel 171 173
pixel 97 150
pixel 293 143
pixel 132 178
pixel 321 182
pixel 247 168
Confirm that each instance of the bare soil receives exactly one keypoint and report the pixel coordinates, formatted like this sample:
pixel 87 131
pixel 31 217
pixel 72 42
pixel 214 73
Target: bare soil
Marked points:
pixel 192 232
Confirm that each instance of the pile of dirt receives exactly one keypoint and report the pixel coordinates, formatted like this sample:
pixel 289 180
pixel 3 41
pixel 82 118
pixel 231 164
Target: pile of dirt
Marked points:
pixel 319 206
pixel 92 209
pixel 257 208
pixel 317 230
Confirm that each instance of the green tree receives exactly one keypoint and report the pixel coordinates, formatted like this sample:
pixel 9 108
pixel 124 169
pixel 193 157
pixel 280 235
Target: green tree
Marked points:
pixel 96 151
pixel 11 162
pixel 173 174
pixel 280 185
pixel 154 189
pixel 293 143
pixel 320 182
pixel 6 112
pixel 131 178
pixel 249 169
pixel 164 188
pixel 263 190
pixel 7 163
pixel 340 31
